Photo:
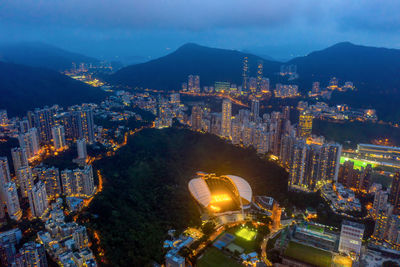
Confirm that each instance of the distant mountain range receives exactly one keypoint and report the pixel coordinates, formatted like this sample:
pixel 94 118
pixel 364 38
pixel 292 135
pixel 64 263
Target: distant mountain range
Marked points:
pixel 23 88
pixel 374 71
pixel 169 72
pixel 37 54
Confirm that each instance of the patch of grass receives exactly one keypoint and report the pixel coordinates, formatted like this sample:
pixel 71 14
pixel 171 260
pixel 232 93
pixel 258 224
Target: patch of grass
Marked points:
pixel 214 257
pixel 308 254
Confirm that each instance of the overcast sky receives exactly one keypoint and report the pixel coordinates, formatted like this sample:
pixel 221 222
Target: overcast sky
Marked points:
pixel 150 28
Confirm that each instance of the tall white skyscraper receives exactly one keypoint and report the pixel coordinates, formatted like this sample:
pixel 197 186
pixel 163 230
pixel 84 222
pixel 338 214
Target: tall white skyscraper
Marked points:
pixel 5 176
pixel 58 134
pixel 30 141
pixel 19 157
pixel 25 179
pixel 81 146
pixel 38 199
pixel 12 201
pixel 255 109
pixel 380 202
pixel 86 125
pixel 226 118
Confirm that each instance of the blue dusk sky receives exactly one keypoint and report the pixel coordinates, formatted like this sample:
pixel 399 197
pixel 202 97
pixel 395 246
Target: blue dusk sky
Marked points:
pixel 137 30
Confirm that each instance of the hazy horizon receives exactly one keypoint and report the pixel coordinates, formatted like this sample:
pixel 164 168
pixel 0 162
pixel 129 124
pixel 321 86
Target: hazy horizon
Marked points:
pixel 143 30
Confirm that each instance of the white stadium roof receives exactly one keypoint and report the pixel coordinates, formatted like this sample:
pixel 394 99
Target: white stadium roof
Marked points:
pixel 242 186
pixel 200 191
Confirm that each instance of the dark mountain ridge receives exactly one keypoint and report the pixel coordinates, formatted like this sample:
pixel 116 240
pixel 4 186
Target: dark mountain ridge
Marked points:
pixel 169 72
pixel 23 88
pixel 38 54
pixel 374 71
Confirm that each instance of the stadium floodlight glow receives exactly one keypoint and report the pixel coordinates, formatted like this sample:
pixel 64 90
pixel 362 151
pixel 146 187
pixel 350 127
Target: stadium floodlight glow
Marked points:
pixel 220 198
pixel 215 208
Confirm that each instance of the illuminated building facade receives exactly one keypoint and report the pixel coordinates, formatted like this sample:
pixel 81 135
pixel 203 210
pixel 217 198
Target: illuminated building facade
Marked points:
pixel 30 142
pixel 276 216
pixel 380 202
pixel 265 85
pixel 381 222
pixel 86 125
pixel 44 121
pixel 12 201
pixel 19 157
pixel 5 176
pixel 260 65
pixel 190 83
pixel 309 165
pixel 222 87
pixel 81 147
pixel 351 236
pixel 78 182
pixel 58 135
pixel 252 84
pixel 51 179
pixel 197 118
pixel 330 159
pixel 379 152
pixel 38 201
pixel 25 179
pixel 196 85
pixel 31 254
pixel 175 98
pixel 255 110
pixel 80 237
pixel 245 73
pixel 394 196
pixel 296 173
pixel 226 118
pixel 305 124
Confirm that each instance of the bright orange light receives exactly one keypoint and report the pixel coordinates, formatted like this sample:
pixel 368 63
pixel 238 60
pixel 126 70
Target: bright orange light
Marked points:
pixel 215 208
pixel 220 198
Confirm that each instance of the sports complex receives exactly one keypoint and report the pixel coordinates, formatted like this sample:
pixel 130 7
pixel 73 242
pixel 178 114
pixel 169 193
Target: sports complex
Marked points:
pixel 218 194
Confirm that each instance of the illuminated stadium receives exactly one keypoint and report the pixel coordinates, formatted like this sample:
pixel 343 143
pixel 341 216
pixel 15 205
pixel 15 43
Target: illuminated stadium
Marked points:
pixel 221 193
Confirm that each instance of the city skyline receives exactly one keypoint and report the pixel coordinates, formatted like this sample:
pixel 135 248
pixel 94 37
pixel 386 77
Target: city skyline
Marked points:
pixel 250 155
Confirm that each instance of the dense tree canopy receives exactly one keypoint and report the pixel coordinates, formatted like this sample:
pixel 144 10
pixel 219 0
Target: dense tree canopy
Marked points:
pixel 146 192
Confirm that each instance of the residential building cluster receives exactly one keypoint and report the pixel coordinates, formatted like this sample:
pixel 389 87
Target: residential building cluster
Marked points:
pixel 342 200
pixel 386 213
pixel 286 90
pixel 341 112
pixel 333 85
pixel 30 254
pixel 67 243
pixel 308 163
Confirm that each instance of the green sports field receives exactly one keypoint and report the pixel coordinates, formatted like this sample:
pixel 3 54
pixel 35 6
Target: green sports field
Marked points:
pixel 214 257
pixel 308 254
pixel 358 163
pixel 246 234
